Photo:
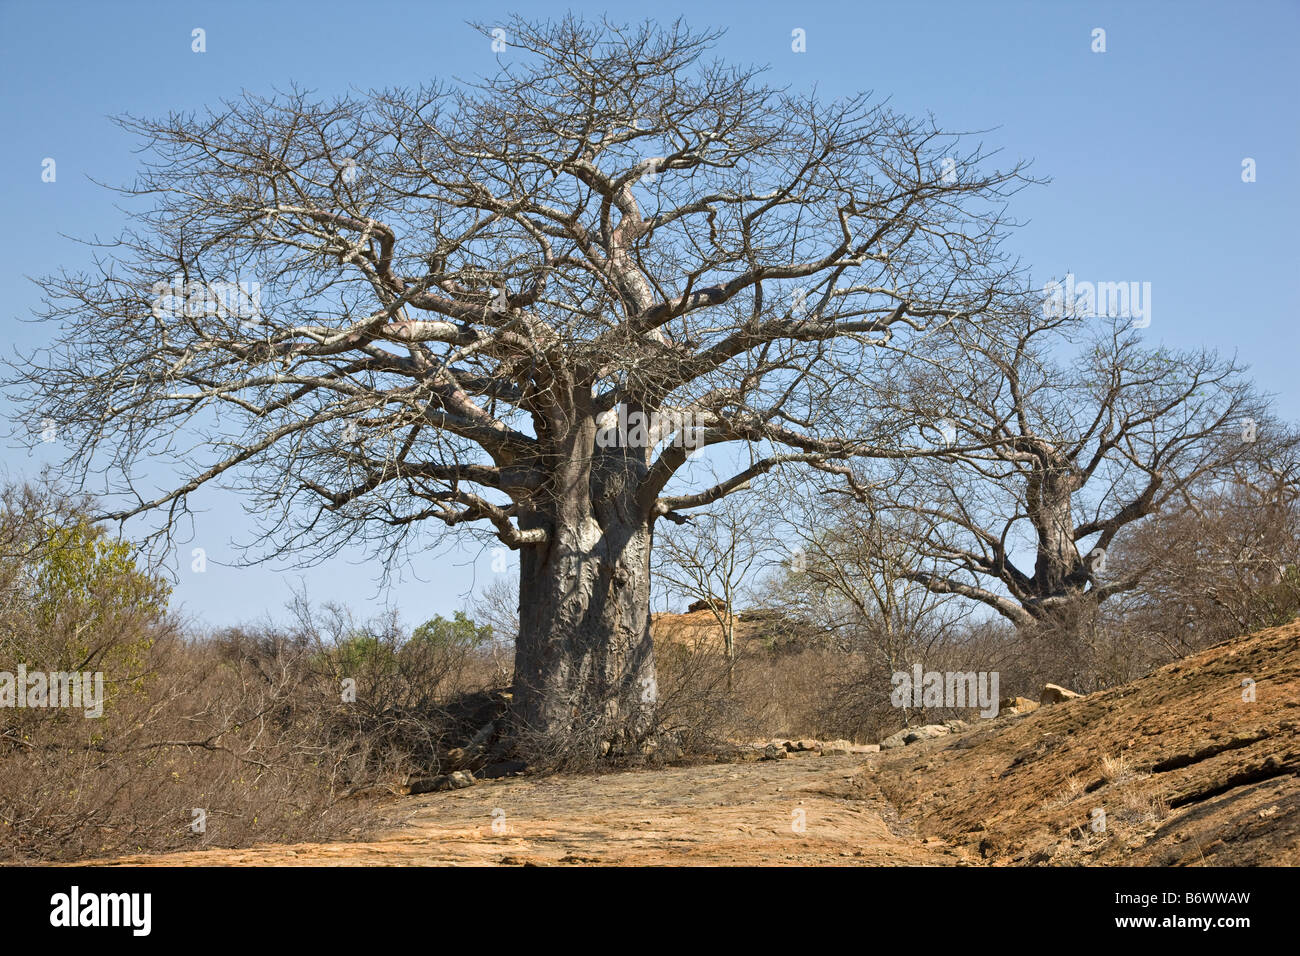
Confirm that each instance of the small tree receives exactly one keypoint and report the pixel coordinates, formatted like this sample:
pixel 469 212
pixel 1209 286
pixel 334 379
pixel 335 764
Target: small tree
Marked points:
pixel 459 632
pixel 710 558
pixel 1225 564
pixel 497 606
pixel 852 574
pixel 75 596
pixel 849 577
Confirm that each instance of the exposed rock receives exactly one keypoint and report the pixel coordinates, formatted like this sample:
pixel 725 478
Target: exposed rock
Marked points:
pixel 1010 706
pixel 928 732
pixel 706 604
pixel 697 629
pixel 910 735
pixel 1042 855
pixel 774 752
pixel 447 781
pixel 1206 770
pixel 1054 694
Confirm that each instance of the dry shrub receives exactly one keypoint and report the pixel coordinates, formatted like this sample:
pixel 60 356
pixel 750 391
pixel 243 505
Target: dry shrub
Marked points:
pixel 249 735
pixel 695 709
pixel 202 730
pixel 796 688
pixel 249 727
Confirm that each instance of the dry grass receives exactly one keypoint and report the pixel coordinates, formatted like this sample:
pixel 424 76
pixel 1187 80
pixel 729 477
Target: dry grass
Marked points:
pixel 1115 769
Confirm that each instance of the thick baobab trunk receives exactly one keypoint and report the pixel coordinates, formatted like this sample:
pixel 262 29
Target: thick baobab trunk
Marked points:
pixel 1058 569
pixel 1060 572
pixel 584 664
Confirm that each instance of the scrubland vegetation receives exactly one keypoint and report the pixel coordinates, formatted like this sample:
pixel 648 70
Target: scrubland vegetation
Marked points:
pixel 290 732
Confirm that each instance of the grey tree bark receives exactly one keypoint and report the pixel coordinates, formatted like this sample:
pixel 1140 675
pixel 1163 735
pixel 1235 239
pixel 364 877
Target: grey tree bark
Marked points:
pixel 585 662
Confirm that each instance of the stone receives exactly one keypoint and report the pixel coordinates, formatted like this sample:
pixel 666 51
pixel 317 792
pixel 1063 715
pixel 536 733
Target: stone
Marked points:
pixel 911 735
pixel 773 752
pixel 1054 694
pixel 706 604
pixel 928 732
pixel 1016 705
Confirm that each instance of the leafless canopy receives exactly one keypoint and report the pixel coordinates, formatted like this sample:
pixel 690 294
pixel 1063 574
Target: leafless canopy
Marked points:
pixel 1060 432
pixel 453 281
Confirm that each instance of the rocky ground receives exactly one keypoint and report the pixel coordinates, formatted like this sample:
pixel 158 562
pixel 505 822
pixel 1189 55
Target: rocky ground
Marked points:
pixel 1173 769
pixel 1184 769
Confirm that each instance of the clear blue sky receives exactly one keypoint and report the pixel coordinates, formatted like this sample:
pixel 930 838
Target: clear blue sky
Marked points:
pixel 1143 143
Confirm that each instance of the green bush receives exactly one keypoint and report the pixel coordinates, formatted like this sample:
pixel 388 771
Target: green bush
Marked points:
pixel 460 633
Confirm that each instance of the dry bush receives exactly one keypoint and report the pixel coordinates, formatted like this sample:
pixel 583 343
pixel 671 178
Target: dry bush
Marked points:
pixel 817 659
pixel 1226 566
pixel 201 730
pixel 251 732
pixel 785 692
pixel 791 692
pixel 695 708
pixel 249 726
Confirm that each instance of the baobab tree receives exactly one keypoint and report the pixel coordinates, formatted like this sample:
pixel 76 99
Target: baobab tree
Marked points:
pixel 434 306
pixel 1062 432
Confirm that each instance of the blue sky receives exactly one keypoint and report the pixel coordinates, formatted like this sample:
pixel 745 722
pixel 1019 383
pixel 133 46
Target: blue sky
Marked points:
pixel 1144 145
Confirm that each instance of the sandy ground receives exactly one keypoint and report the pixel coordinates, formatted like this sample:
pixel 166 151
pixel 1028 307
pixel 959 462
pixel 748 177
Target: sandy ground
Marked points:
pixel 807 809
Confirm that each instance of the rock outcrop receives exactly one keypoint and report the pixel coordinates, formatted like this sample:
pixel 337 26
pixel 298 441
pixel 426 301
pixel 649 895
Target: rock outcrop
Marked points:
pixel 1055 694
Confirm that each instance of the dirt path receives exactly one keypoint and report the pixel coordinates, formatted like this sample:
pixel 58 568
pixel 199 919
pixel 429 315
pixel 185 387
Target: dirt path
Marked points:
pixel 722 814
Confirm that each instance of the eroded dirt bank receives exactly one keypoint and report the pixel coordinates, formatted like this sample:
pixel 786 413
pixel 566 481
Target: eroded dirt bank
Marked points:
pixel 1184 770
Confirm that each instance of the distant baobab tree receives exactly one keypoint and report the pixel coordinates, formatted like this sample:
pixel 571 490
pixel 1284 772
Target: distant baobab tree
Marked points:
pixel 1063 435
